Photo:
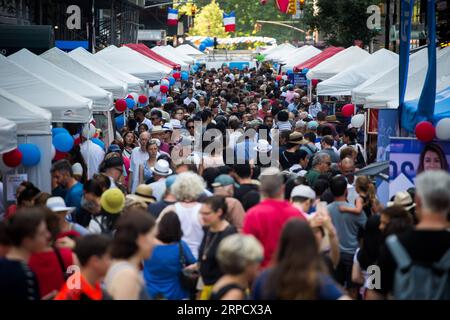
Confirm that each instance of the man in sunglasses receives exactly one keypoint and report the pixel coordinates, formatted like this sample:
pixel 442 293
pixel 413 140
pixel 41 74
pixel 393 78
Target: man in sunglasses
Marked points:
pixel 190 98
pixel 156 117
pixel 321 164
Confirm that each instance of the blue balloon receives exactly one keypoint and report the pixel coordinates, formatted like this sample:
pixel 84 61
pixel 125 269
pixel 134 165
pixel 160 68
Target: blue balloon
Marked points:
pixel 171 81
pixel 63 142
pixel 184 75
pixel 99 142
pixel 31 154
pixel 119 122
pixel 289 71
pixel 209 42
pixel 130 103
pixel 55 131
pixel 305 70
pixel 202 47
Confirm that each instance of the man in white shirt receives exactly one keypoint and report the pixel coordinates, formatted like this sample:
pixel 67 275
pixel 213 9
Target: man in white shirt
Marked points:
pixel 139 115
pixel 160 171
pixel 92 154
pixel 138 157
pixel 190 98
pixel 315 107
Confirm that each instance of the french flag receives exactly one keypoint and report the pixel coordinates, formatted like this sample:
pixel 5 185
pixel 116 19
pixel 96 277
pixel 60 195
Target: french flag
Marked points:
pixel 229 21
pixel 172 17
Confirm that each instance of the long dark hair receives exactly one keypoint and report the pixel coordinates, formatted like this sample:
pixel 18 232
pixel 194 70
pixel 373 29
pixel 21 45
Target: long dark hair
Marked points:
pixel 436 149
pixel 297 267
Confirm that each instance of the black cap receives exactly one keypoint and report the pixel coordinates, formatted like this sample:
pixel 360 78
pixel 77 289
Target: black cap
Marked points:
pixel 113 162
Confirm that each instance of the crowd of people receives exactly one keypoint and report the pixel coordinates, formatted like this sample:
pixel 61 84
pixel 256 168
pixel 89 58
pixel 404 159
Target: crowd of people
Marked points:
pixel 234 185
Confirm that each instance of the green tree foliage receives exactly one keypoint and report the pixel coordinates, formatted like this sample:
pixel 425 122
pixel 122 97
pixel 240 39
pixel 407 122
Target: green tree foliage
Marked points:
pixel 209 22
pixel 340 21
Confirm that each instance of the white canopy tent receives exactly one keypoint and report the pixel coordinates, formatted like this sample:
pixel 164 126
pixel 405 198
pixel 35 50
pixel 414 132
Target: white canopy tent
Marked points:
pixel 64 105
pixel 274 51
pixel 299 56
pixel 33 126
pixel 96 77
pixel 337 63
pixel 102 99
pixel 8 135
pixel 279 54
pixel 172 57
pixel 88 60
pixel 189 50
pixel 186 58
pixel 342 83
pixel 133 62
pixel 388 97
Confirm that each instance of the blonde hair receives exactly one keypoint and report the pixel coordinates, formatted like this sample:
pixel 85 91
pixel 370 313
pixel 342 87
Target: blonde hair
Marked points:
pixel 188 186
pixel 237 251
pixel 363 184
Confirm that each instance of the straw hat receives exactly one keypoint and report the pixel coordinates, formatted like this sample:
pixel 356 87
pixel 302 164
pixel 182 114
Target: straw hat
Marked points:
pixel 403 199
pixel 145 193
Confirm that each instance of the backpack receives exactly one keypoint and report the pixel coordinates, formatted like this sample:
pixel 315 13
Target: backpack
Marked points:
pixel 360 158
pixel 419 281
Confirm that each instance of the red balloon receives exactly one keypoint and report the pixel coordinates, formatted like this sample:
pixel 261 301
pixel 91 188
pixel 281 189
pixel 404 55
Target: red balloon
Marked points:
pixel 348 110
pixel 60 155
pixel 142 99
pixel 121 105
pixel 13 158
pixel 77 141
pixel 314 82
pixel 130 96
pixel 177 75
pixel 425 131
pixel 164 89
pixel 279 77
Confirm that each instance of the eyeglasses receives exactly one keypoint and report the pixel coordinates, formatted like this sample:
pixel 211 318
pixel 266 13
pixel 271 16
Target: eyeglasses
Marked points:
pixel 190 127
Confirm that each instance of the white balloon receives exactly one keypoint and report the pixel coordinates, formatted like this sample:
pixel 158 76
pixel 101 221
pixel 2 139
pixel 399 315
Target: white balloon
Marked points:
pixel 88 132
pixel 285 77
pixel 443 129
pixel 135 96
pixel 53 151
pixel 156 89
pixel 357 121
pixel 165 82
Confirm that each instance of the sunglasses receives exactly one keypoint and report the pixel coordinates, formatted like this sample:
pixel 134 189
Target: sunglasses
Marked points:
pixel 190 93
pixel 190 127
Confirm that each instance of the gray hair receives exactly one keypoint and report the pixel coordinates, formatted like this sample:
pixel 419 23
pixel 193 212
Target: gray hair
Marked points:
pixel 320 158
pixel 188 186
pixel 432 187
pixel 238 251
pixel 271 182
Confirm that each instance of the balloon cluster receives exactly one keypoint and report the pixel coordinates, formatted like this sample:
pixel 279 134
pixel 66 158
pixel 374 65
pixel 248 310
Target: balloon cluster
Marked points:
pixel 26 154
pixel 425 131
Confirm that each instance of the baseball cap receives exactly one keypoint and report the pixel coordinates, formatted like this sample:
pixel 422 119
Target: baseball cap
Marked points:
pixel 112 201
pixel 170 180
pixel 77 169
pixel 114 148
pixel 303 191
pixel 312 125
pixel 113 162
pixel 223 180
pixel 57 204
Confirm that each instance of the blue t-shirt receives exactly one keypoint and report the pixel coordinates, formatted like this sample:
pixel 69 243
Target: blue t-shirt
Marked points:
pixel 328 289
pixel 162 271
pixel 73 196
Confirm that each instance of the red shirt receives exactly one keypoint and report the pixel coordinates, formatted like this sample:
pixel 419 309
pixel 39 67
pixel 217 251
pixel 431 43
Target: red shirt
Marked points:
pixel 266 220
pixel 86 290
pixel 48 269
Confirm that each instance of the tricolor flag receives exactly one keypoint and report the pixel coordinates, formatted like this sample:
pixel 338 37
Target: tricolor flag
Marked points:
pixel 229 21
pixel 172 17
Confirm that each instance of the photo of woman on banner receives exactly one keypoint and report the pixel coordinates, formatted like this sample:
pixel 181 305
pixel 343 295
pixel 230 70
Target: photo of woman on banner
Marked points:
pixel 432 158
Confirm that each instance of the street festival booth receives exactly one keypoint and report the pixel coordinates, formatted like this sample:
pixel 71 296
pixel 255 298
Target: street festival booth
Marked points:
pixel 33 128
pixel 382 100
pixel 102 100
pixel 301 55
pixel 65 107
pixel 278 51
pixel 186 58
pixel 8 136
pixel 96 77
pixel 337 63
pixel 163 52
pixel 146 51
pixel 190 51
pixel 133 63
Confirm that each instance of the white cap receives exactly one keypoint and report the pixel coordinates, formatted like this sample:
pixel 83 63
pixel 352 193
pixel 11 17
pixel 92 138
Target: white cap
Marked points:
pixel 176 124
pixel 57 204
pixel 77 169
pixel 303 191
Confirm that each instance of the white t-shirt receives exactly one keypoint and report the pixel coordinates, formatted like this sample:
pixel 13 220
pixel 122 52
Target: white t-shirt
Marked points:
pixel 159 188
pixel 93 155
pixel 138 157
pixel 186 101
pixel 191 226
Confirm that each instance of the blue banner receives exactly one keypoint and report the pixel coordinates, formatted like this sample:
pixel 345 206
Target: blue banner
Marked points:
pixel 405 39
pixel 428 95
pixel 298 78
